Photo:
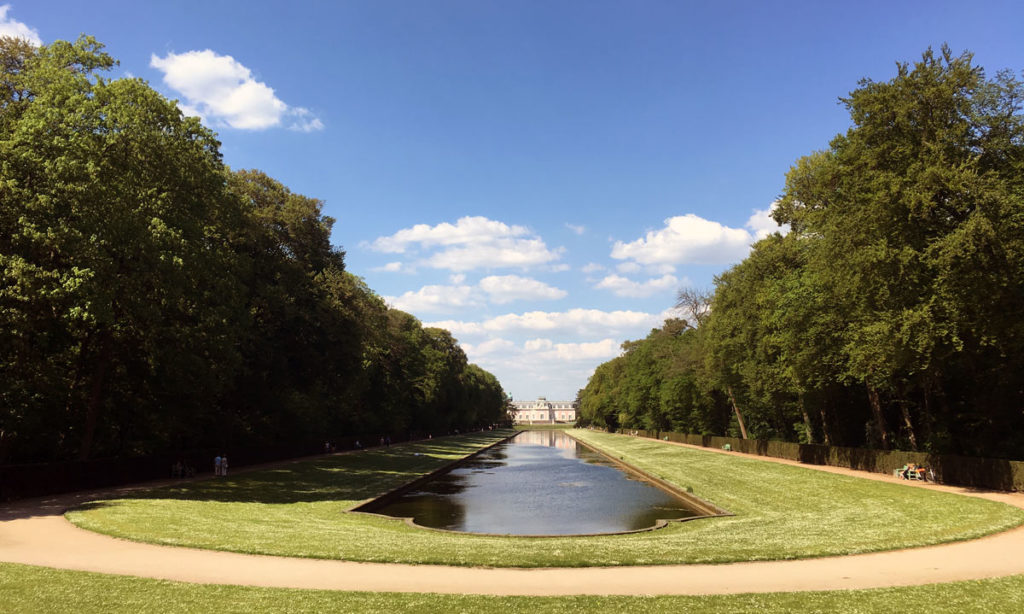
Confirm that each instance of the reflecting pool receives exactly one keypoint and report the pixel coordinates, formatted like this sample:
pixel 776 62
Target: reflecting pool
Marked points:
pixel 539 483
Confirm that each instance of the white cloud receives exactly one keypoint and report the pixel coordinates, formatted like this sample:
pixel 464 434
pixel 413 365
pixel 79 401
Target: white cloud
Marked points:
pixel 468 230
pixel 470 243
pixel 508 288
pixel 221 90
pixel 761 223
pixel 686 239
pixel 435 299
pixel 621 286
pixel 628 267
pixel 604 350
pixel 16 29
pixel 391 267
pixel 458 328
pixel 550 353
pixel 692 239
pixel 503 253
pixel 534 345
pixel 495 289
pixel 541 366
pixel 583 322
pixel 660 269
pixel 545 349
pixel 304 120
pixel 489 347
pixel 576 228
pixel 592 267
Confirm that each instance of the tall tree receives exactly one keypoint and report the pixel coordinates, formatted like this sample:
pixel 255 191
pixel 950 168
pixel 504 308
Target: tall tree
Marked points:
pixel 912 215
pixel 115 264
pixel 887 316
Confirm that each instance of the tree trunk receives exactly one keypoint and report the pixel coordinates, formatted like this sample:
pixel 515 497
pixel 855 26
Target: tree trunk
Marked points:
pixel 905 408
pixel 881 429
pixel 739 416
pixel 826 433
pixel 926 418
pixel 807 419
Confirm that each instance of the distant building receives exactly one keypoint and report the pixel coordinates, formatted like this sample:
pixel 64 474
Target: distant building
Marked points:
pixel 543 411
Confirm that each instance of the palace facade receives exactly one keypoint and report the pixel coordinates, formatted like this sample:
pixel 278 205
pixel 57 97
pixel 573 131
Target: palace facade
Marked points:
pixel 543 411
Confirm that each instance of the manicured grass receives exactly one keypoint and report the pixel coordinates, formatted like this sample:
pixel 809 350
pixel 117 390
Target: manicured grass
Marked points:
pixel 781 512
pixel 25 589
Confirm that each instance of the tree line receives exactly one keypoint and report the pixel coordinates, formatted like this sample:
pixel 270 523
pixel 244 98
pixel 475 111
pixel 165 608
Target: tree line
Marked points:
pixel 154 300
pixel 889 316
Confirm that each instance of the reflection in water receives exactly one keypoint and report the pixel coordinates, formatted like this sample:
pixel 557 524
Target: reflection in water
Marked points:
pixel 540 483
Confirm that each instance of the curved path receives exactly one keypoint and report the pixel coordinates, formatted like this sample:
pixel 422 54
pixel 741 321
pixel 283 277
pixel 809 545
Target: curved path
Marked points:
pixel 35 532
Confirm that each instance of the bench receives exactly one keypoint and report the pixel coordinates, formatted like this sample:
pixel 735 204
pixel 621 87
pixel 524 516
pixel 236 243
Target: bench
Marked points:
pixel 911 472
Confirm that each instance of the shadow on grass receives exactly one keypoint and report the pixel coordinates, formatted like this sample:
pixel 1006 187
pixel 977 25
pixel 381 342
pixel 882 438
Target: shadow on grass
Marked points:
pixel 343 477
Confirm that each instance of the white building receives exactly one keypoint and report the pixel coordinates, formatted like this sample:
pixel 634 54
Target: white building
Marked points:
pixel 543 411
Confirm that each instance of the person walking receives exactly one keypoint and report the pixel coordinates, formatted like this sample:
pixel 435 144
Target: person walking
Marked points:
pixel 217 460
pixel 224 465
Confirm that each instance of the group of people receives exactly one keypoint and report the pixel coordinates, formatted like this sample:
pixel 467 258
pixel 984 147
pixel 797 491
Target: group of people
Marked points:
pixel 220 464
pixel 913 471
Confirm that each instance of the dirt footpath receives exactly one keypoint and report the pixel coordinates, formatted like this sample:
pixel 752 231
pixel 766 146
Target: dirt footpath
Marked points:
pixel 36 533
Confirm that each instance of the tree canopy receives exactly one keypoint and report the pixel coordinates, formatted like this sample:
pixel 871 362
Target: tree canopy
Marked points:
pixel 887 316
pixel 152 299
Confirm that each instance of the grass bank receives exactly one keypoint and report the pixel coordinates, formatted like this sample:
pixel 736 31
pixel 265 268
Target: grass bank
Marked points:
pixel 781 512
pixel 26 589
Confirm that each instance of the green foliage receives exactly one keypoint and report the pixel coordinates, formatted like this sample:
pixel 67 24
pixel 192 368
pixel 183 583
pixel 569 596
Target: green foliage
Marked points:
pixel 659 383
pixel 888 315
pixel 152 300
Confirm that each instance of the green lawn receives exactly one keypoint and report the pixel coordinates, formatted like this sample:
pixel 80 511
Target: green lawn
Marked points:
pixel 781 512
pixel 25 589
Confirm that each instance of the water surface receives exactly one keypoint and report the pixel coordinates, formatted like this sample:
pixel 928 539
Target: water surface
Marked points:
pixel 540 483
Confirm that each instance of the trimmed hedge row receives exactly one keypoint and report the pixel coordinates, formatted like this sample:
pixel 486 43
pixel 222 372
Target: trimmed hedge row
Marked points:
pixel 994 473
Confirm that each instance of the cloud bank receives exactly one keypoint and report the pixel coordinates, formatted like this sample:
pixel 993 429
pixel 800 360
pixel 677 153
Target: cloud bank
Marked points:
pixel 507 288
pixel 497 289
pixel 472 242
pixel 580 322
pixel 622 286
pixel 542 365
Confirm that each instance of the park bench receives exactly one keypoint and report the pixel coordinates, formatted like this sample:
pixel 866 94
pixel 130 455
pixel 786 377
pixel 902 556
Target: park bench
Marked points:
pixel 911 472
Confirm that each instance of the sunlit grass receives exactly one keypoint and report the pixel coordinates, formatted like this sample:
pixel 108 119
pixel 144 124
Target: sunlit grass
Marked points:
pixel 25 589
pixel 781 512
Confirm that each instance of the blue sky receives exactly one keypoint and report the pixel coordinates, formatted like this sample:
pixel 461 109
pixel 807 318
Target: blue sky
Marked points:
pixel 538 177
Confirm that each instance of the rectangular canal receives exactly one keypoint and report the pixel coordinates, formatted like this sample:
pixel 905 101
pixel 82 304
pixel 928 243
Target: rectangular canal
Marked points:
pixel 538 483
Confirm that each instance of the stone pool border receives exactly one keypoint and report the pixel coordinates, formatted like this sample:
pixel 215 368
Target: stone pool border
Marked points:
pixel 706 508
